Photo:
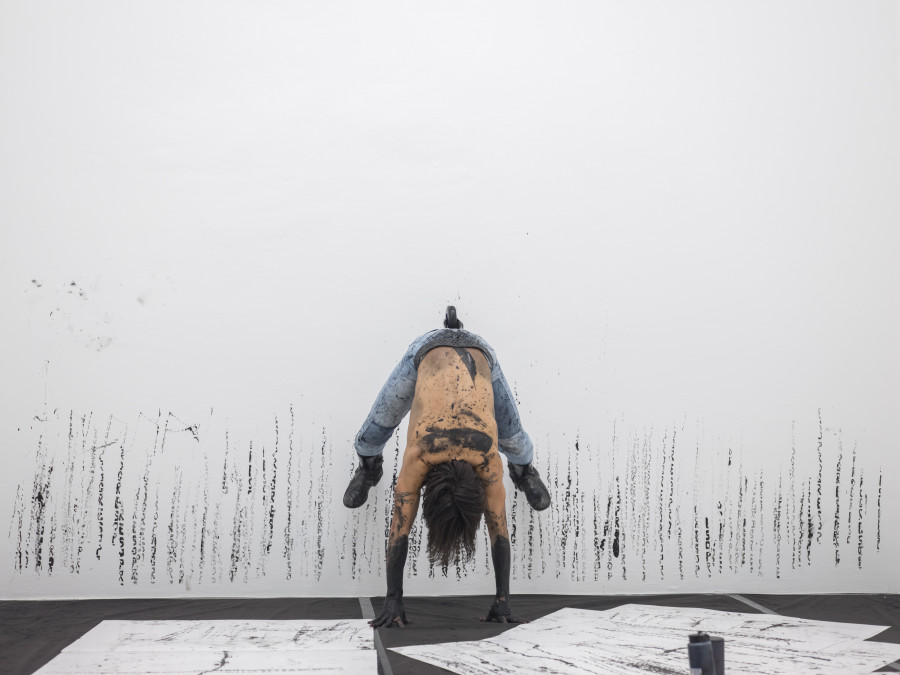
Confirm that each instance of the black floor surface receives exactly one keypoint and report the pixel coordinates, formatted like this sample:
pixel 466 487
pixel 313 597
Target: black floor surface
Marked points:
pixel 34 632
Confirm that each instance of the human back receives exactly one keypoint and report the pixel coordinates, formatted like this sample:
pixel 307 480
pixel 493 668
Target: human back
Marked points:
pixel 452 415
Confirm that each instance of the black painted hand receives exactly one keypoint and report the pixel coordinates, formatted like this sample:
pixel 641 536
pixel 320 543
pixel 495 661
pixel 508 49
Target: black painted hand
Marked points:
pixel 392 613
pixel 501 613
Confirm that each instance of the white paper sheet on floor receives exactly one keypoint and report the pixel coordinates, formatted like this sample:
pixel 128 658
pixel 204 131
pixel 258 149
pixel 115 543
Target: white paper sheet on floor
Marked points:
pixel 645 638
pixel 221 646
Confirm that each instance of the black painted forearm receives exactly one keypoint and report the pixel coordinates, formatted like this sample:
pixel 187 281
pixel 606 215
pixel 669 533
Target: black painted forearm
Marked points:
pixel 396 562
pixel 502 558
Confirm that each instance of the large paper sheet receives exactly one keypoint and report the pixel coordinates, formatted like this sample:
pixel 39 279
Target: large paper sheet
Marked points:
pixel 645 638
pixel 224 634
pixel 343 662
pixel 194 647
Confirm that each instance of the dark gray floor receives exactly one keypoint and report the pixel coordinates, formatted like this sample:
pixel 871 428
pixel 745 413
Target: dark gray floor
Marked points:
pixel 33 633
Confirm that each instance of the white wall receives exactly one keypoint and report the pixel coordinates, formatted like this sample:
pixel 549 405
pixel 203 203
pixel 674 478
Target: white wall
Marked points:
pixel 676 223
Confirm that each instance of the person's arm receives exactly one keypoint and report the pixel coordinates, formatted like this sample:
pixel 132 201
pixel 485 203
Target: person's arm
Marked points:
pixel 406 505
pixel 501 554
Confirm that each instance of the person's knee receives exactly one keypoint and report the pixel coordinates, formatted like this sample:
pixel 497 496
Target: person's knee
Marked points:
pixel 375 434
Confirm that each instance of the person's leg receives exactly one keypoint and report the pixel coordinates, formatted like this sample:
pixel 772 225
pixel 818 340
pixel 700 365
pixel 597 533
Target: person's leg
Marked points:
pixel 390 407
pixel 516 445
pixel 514 441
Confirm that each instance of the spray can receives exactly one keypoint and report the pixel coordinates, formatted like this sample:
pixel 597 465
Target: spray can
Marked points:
pixel 700 655
pixel 718 645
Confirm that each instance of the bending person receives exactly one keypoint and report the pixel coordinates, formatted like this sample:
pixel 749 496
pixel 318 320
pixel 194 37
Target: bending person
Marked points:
pixel 397 396
pixel 452 452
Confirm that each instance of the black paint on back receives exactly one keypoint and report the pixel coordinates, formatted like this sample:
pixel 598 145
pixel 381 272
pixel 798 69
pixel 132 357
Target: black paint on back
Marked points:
pixel 467 360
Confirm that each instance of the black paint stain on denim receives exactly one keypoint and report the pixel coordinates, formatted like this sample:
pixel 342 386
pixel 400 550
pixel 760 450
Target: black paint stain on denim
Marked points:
pixel 467 359
pixel 441 440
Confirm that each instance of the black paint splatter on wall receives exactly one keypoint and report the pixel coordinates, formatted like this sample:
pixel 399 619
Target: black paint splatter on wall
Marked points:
pixel 152 503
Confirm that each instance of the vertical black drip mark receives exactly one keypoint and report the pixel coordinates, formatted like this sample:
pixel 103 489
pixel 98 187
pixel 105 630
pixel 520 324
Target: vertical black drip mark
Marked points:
pixel 837 505
pixel 696 541
pixel 661 540
pixel 51 549
pixel 728 516
pixel 17 522
pixel 236 522
pixel 119 519
pixel 721 544
pixel 800 528
pixel 576 516
pixel 253 488
pixel 762 530
pixel 289 502
pixel 852 494
pixel 632 531
pixel 679 538
pixel 819 483
pixel 810 523
pixel 320 509
pixel 273 491
pixel 153 535
pixel 792 500
pixel 741 527
pixel 671 485
pixel 695 492
pixel 878 531
pixel 778 527
pixel 597 548
pixel 566 516
pixel 859 523
pixel 617 522
pixel 513 530
pixel 708 551
pixel 607 522
pixel 100 486
pixel 645 511
pixel 171 542
pixel 204 519
pixel 266 498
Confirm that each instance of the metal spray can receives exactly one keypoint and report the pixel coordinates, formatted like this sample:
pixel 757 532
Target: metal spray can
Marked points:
pixel 700 655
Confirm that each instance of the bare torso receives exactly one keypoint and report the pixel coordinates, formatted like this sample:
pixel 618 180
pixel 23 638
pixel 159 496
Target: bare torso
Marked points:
pixel 452 415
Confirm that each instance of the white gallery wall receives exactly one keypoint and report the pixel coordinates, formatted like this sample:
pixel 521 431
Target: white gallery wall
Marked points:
pixel 221 224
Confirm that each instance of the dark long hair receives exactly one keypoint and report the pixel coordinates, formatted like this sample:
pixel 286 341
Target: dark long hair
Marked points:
pixel 452 506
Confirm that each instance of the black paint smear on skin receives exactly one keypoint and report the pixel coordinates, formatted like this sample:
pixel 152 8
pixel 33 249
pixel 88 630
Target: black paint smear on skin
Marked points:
pixel 467 360
pixel 441 440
